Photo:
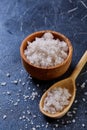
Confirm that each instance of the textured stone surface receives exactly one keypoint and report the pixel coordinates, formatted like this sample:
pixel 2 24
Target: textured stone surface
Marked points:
pixel 19 93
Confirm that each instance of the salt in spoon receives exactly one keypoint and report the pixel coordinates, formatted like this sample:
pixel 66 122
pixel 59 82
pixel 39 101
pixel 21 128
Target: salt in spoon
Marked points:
pixel 68 83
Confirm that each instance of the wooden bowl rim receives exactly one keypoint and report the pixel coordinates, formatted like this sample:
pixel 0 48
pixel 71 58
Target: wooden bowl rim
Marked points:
pixel 42 32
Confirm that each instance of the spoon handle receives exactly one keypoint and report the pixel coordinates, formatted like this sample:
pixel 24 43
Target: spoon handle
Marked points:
pixel 79 66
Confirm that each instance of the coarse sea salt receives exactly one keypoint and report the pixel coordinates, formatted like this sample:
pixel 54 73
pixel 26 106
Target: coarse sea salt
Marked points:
pixel 83 85
pixel 8 74
pixel 3 84
pixel 46 51
pixel 56 100
pixel 4 116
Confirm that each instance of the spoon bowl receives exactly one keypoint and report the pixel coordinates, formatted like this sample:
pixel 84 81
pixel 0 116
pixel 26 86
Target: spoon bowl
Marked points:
pixel 68 83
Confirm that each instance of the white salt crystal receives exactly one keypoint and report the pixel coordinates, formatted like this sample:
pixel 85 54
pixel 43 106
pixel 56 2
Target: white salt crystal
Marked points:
pixel 83 99
pixel 83 125
pixel 3 84
pixel 20 80
pixel 34 116
pixel 46 51
pixel 23 112
pixel 48 36
pixel 33 128
pixel 26 97
pixel 69 114
pixel 85 93
pixel 20 118
pixel 75 101
pixel 33 95
pixel 56 100
pixel 4 116
pixel 74 112
pixel 9 93
pixel 15 82
pixel 38 85
pixel 23 116
pixel 37 126
pixel 16 103
pixel 18 100
pixel 23 83
pixel 83 85
pixel 73 120
pixel 56 125
pixel 28 112
pixel 8 74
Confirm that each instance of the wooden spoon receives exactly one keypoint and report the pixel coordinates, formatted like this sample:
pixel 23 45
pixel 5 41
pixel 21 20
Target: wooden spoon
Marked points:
pixel 68 83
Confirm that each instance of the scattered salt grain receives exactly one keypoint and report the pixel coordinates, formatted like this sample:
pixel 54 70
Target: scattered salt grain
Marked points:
pixel 3 84
pixel 38 85
pixel 11 100
pixel 85 93
pixel 73 120
pixel 29 88
pixel 56 100
pixel 83 125
pixel 20 118
pixel 23 116
pixel 75 108
pixel 83 99
pixel 37 126
pixel 28 112
pixel 18 100
pixel 23 83
pixel 4 116
pixel 26 125
pixel 69 114
pixel 67 122
pixel 20 80
pixel 85 111
pixel 31 122
pixel 23 112
pixel 46 51
pixel 33 89
pixel 16 103
pixel 34 116
pixel 28 119
pixel 83 85
pixel 26 97
pixel 11 110
pixel 74 112
pixel 33 128
pixel 14 82
pixel 30 77
pixel 9 93
pixel 8 74
pixel 47 125
pixel 33 95
pixel 63 122
pixel 75 101
pixel 56 125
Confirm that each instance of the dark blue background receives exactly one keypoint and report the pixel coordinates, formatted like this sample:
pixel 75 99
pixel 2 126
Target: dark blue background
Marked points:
pixel 19 18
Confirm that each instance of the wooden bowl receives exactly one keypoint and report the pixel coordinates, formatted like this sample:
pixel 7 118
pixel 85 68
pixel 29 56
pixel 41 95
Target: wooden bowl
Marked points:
pixel 43 73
